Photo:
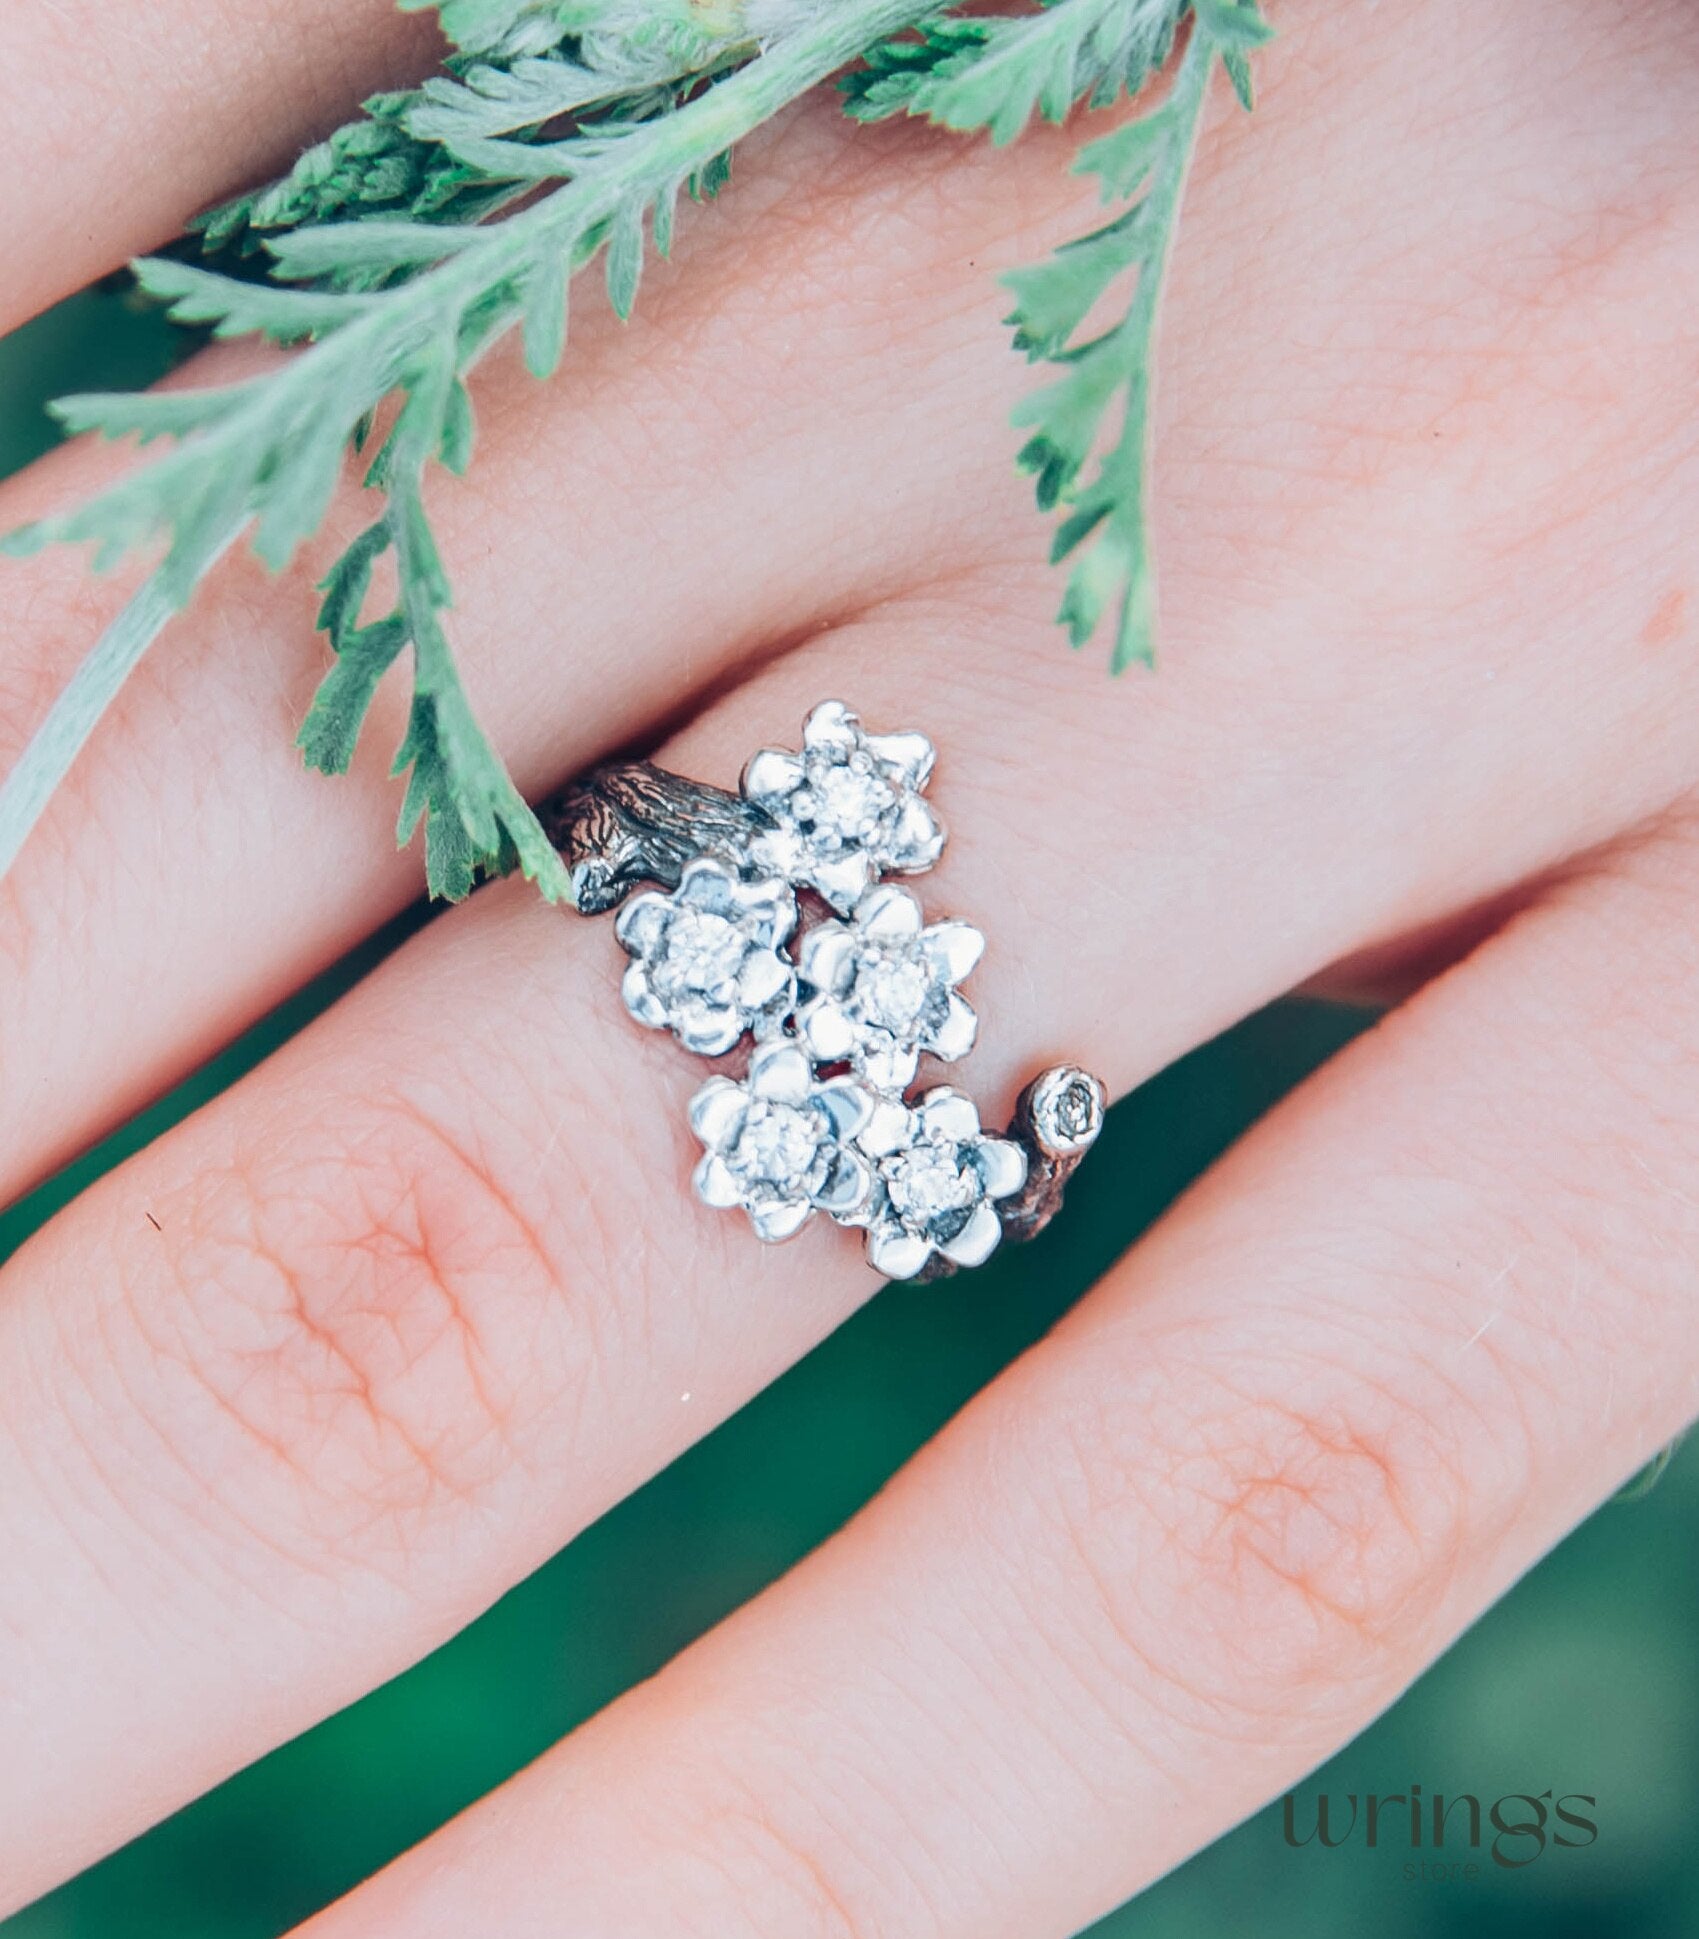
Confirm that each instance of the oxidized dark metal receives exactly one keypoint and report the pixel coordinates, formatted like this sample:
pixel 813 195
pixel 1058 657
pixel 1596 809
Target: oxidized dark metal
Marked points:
pixel 841 1015
pixel 1056 1122
pixel 631 822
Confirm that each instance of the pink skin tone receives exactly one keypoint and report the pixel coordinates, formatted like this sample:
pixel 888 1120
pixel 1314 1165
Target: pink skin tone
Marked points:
pixel 1428 719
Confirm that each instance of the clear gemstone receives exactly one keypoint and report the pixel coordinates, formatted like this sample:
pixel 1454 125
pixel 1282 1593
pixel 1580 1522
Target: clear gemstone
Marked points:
pixel 701 952
pixel 845 809
pixel 928 1181
pixel 777 1147
pixel 848 799
pixel 1067 1108
pixel 1075 1109
pixel 893 990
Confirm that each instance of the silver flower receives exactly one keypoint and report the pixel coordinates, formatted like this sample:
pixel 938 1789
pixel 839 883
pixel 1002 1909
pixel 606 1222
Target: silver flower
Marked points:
pixel 884 989
pixel 936 1175
pixel 780 1143
pixel 847 808
pixel 707 960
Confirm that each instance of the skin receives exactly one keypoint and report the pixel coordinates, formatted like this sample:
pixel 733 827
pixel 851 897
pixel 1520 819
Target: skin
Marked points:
pixel 413 1313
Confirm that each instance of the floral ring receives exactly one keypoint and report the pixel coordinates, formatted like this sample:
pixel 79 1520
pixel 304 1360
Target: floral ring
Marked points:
pixel 771 919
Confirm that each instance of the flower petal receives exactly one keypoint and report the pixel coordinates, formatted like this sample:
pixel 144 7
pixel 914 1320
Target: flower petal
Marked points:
pixel 946 1113
pixel 780 1072
pixel 715 1184
pixel 833 725
pixel 781 1219
pixel 709 1029
pixel 825 954
pixel 777 851
pixel 706 884
pixel 886 1065
pixel 842 880
pixel 771 776
pixel 716 1111
pixel 848 1186
pixel 824 1025
pixel 976 1241
pixel 765 974
pixel 955 947
pixel 640 923
pixel 910 757
pixel 888 914
pixel 1002 1164
pixel 954 1036
pixel 889 1126
pixel 767 908
pixel 641 1000
pixel 918 838
pixel 846 1104
pixel 897 1254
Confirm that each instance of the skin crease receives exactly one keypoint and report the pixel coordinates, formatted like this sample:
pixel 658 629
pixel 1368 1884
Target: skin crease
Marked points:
pixel 1424 493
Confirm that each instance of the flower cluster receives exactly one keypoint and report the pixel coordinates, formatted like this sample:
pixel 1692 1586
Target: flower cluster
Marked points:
pixel 707 961
pixel 820 1121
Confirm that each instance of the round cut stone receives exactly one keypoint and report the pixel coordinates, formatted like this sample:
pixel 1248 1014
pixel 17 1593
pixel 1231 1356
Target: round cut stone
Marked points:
pixel 928 1182
pixel 893 991
pixel 701 951
pixel 777 1147
pixel 849 799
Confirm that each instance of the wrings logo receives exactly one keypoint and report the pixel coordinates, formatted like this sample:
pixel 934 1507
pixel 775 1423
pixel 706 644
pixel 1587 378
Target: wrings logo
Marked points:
pixel 1514 1829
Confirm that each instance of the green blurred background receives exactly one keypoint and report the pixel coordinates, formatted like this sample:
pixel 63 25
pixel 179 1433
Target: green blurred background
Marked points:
pixel 1585 1679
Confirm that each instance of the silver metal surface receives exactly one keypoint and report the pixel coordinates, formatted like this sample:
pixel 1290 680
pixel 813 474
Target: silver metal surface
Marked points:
pixel 708 960
pixel 846 809
pixel 842 1007
pixel 630 822
pixel 1056 1122
pixel 880 989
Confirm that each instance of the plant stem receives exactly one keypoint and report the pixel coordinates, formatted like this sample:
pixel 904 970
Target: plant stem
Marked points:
pixel 1135 639
pixel 56 743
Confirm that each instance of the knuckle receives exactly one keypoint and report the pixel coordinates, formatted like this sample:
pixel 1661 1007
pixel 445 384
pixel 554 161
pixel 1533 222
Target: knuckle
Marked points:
pixel 1299 1522
pixel 347 1321
pixel 1245 1532
pixel 735 1853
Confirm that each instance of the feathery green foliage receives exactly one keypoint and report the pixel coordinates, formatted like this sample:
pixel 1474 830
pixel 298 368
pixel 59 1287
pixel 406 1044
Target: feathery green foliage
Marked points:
pixel 969 72
pixel 398 251
pixel 1142 165
pixel 516 70
pixel 996 74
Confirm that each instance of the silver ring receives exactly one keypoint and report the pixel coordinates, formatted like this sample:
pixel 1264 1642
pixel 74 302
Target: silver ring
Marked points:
pixel 773 921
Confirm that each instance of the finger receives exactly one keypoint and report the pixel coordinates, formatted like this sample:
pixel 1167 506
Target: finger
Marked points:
pixel 213 97
pixel 170 900
pixel 1403 1338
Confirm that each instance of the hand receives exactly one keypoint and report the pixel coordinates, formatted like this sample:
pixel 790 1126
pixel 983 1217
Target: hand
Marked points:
pixel 425 1288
